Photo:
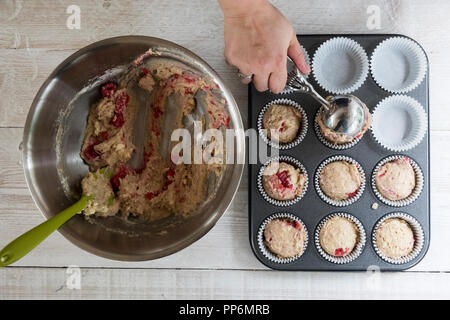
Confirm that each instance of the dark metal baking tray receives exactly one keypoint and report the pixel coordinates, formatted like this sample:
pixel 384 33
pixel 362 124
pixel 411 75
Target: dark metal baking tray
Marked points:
pixel 311 152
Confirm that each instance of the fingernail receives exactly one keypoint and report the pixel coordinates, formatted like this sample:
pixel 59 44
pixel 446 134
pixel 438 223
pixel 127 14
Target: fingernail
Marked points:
pixel 306 68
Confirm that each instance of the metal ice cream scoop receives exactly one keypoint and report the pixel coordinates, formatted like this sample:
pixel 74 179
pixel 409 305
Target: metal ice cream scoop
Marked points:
pixel 344 114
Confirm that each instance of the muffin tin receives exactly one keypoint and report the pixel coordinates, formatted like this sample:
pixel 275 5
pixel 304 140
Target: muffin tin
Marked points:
pixel 368 152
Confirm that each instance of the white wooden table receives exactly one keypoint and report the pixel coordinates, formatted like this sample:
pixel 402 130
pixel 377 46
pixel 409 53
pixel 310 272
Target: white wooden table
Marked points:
pixel 34 39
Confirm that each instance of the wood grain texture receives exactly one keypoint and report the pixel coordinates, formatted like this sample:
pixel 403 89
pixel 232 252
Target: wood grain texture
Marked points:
pixel 50 283
pixel 34 39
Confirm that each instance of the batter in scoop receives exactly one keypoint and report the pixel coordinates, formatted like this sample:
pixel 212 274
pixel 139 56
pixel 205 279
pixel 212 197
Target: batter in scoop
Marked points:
pixel 338 138
pixel 160 187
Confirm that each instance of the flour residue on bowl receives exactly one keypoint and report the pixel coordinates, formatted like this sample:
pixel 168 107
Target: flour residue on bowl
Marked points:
pixel 61 124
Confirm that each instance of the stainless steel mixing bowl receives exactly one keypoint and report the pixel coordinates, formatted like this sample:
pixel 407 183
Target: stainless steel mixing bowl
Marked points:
pixel 54 169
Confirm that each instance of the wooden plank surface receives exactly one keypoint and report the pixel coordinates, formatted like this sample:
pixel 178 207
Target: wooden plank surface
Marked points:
pixel 34 39
pixel 58 283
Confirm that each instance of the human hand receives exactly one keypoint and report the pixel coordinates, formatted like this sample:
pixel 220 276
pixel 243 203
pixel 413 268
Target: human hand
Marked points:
pixel 258 39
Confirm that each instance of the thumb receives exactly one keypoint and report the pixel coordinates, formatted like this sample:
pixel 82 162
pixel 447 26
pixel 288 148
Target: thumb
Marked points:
pixel 295 52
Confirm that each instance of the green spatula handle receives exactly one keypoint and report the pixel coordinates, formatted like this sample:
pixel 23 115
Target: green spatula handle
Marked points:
pixel 29 240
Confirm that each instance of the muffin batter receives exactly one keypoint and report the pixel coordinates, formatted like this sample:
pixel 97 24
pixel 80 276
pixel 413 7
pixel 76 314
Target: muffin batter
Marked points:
pixel 338 236
pixel 396 180
pixel 108 132
pixel 339 138
pixel 340 180
pixel 395 238
pixel 282 181
pixel 285 237
pixel 104 202
pixel 284 120
pixel 159 187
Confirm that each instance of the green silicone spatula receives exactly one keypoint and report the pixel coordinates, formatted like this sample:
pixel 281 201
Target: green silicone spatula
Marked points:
pixel 19 247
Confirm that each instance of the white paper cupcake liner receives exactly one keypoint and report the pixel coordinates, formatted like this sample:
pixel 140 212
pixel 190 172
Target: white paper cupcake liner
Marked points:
pixel 416 191
pixel 340 65
pixel 418 237
pixel 339 203
pixel 399 123
pixel 329 144
pixel 356 250
pixel 398 65
pixel 288 90
pixel 282 203
pixel 266 252
pixel 300 135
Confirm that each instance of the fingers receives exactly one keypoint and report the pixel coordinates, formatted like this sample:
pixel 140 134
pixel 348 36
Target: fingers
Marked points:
pixel 261 81
pixel 295 52
pixel 245 78
pixel 245 75
pixel 266 72
pixel 277 80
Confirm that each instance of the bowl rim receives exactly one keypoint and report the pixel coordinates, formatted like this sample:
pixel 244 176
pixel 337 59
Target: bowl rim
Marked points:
pixel 236 175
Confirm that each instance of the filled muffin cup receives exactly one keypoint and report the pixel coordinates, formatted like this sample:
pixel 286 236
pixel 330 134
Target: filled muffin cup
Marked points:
pixel 340 65
pixel 360 242
pixel 417 232
pixel 266 251
pixel 288 90
pixel 326 198
pixel 415 192
pixel 398 65
pixel 329 144
pixel 301 131
pixel 296 164
pixel 399 123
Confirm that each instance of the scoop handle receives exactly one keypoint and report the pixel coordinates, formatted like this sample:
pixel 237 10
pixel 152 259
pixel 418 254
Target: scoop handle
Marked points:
pixel 19 247
pixel 299 83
